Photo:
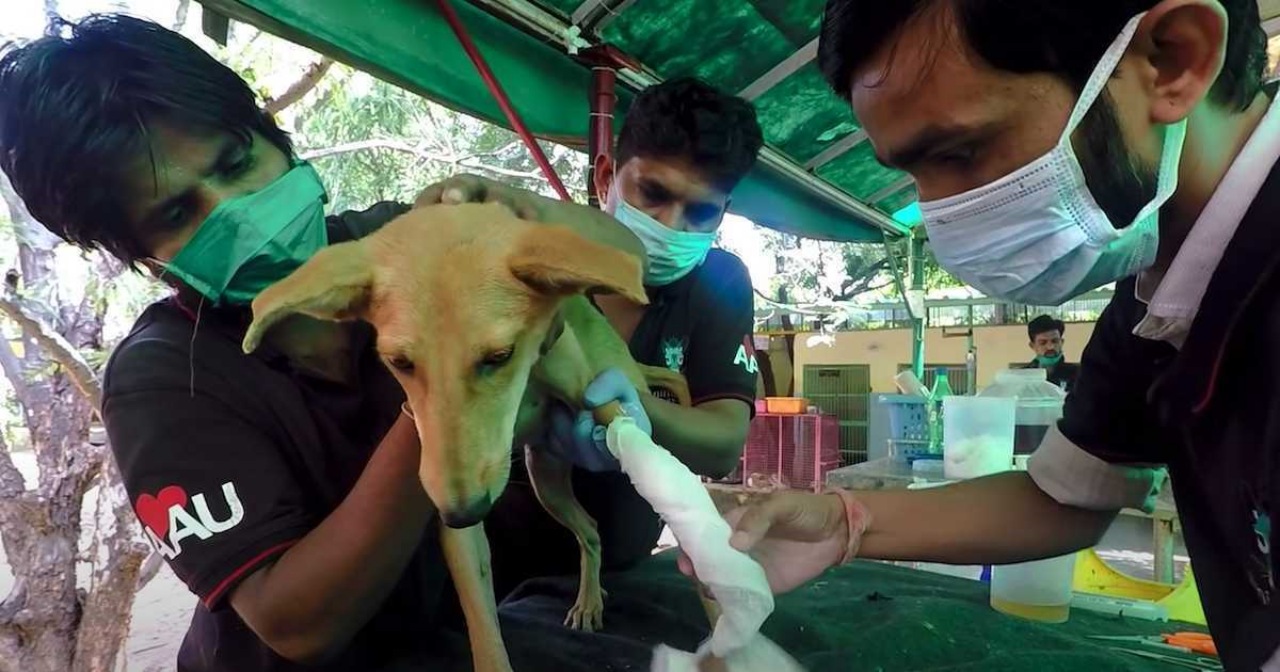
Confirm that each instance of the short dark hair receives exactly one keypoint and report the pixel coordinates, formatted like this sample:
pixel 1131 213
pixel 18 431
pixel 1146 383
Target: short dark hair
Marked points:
pixel 75 106
pixel 1025 36
pixel 1045 324
pixel 690 119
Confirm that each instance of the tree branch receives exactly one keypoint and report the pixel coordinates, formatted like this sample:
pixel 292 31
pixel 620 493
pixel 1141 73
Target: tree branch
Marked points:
pixel 300 88
pixel 180 16
pixel 12 368
pixel 851 294
pixel 467 162
pixel 58 348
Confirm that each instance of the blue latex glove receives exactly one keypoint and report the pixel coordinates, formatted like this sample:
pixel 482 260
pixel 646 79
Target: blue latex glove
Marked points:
pixel 577 438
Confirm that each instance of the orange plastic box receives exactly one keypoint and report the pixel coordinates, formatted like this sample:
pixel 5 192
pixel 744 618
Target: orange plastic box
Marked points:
pixel 785 405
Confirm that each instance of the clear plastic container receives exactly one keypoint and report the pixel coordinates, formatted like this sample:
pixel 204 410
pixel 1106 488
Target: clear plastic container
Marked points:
pixel 1039 404
pixel 978 436
pixel 1039 590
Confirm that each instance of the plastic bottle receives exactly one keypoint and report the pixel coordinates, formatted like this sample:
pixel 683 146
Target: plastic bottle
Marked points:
pixel 1039 404
pixel 941 390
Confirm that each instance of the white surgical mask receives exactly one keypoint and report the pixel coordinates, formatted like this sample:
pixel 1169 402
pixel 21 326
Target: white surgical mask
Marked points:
pixel 1037 236
pixel 672 254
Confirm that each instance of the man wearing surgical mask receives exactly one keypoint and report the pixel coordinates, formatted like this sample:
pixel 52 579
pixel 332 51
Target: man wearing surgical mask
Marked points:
pixel 1057 147
pixel 683 148
pixel 1047 334
pixel 280 486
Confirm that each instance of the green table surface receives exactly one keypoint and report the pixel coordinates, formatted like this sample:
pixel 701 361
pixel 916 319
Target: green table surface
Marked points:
pixel 874 616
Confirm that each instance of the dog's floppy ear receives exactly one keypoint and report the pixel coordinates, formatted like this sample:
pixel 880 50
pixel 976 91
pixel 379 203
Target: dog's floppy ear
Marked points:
pixel 555 260
pixel 335 284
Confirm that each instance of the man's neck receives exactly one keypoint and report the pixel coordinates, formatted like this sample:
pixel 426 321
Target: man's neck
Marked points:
pixel 1215 138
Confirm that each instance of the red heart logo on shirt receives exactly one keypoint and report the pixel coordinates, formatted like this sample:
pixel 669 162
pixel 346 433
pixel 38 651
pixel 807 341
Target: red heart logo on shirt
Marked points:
pixel 153 511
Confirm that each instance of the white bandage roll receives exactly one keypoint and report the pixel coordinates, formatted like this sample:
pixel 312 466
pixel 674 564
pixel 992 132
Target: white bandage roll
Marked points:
pixel 737 582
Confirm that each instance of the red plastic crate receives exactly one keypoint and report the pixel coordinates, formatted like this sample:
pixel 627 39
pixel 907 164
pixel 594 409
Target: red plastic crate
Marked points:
pixel 792 451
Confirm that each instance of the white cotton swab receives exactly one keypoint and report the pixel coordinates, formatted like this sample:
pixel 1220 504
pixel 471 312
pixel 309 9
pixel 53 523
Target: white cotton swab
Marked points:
pixel 737 582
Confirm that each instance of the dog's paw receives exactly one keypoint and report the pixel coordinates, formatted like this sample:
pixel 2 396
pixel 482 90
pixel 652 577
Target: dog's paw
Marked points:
pixel 587 613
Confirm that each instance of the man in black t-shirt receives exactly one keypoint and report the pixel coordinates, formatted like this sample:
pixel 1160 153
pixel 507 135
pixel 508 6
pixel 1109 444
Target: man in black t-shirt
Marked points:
pixel 683 148
pixel 281 486
pixel 1047 334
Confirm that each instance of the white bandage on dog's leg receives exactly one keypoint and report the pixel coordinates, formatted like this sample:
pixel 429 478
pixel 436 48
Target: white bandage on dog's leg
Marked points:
pixel 736 581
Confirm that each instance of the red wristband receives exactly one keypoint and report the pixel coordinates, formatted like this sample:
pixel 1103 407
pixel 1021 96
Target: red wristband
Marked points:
pixel 857 519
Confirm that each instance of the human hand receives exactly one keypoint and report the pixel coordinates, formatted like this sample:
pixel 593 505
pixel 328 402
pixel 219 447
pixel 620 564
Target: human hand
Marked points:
pixel 795 536
pixel 577 438
pixel 475 189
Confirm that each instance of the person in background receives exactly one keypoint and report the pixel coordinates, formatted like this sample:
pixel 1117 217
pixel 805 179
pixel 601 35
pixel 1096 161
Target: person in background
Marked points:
pixel 681 151
pixel 1047 336
pixel 1058 147
pixel 280 486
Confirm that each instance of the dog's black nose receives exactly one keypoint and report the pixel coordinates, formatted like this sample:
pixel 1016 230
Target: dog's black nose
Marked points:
pixel 469 515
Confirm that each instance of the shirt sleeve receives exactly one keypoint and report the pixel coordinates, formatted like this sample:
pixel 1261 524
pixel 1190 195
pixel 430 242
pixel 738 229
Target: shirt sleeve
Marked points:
pixel 721 361
pixel 211 488
pixel 356 224
pixel 1105 454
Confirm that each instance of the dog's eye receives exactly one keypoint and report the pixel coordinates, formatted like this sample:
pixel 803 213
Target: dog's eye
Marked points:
pixel 498 358
pixel 400 363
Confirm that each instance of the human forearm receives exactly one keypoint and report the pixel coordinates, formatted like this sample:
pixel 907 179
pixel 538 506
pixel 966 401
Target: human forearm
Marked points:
pixel 707 438
pixel 311 601
pixel 999 519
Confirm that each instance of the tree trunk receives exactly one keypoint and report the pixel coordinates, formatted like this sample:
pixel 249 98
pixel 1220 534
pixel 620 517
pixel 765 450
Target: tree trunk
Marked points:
pixel 115 582
pixel 48 623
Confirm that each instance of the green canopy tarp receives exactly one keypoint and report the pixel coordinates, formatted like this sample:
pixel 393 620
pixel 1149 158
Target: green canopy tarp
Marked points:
pixel 818 177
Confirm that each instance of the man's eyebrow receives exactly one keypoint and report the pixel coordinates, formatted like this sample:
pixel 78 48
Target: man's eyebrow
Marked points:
pixel 928 140
pixel 227 151
pixel 650 184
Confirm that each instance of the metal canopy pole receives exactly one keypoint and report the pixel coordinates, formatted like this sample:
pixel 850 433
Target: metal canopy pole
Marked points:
pixel 917 321
pixel 898 186
pixel 804 56
pixel 594 15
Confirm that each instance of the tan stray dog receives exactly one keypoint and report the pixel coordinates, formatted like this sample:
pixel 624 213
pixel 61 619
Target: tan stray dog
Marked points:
pixel 482 319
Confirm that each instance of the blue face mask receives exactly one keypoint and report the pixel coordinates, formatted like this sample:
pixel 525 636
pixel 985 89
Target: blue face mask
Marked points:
pixel 672 254
pixel 253 241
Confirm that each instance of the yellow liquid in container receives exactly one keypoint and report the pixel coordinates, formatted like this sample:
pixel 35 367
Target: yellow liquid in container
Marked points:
pixel 1043 614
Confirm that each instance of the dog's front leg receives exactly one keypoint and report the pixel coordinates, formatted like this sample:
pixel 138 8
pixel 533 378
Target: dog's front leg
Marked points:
pixel 551 478
pixel 467 554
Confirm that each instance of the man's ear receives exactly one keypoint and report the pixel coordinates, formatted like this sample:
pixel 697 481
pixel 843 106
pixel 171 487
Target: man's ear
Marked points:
pixel 602 177
pixel 556 261
pixel 335 284
pixel 1189 38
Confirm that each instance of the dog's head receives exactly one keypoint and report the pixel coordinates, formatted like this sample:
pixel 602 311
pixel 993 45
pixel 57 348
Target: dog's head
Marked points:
pixel 463 298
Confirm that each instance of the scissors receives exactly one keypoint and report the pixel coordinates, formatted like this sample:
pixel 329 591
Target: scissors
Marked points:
pixel 1192 663
pixel 1185 642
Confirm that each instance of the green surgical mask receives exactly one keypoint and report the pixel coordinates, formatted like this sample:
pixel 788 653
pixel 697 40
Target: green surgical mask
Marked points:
pixel 1049 361
pixel 252 241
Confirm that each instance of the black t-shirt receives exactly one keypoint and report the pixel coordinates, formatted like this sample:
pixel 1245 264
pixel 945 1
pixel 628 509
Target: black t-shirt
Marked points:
pixel 702 326
pixel 1211 412
pixel 230 459
pixel 1062 374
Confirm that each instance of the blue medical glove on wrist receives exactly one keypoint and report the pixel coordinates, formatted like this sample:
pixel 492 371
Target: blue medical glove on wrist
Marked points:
pixel 576 438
